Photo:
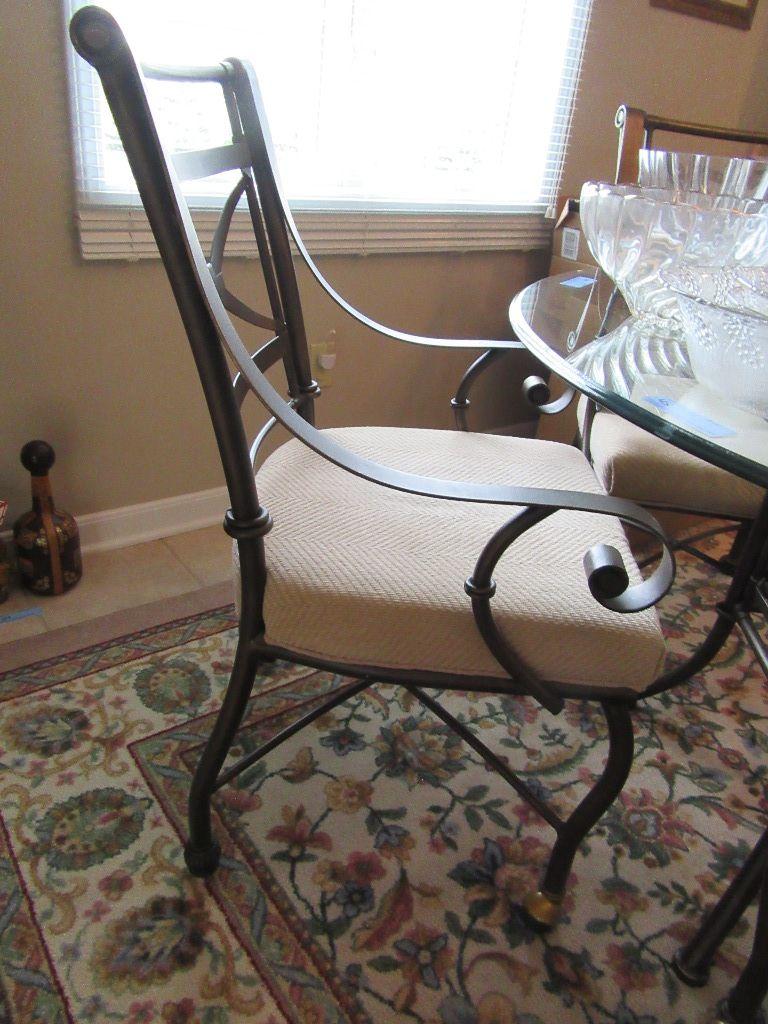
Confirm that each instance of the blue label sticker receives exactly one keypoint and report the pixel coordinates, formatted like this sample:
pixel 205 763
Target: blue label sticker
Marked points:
pixel 25 613
pixel 689 417
pixel 578 282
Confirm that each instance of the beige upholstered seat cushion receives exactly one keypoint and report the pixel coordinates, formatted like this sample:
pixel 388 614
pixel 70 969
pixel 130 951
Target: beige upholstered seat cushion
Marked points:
pixel 631 463
pixel 364 575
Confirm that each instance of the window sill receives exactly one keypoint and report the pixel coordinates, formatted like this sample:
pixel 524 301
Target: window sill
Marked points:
pixel 123 233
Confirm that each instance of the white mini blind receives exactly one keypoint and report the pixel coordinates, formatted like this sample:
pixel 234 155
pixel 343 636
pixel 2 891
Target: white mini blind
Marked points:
pixel 400 126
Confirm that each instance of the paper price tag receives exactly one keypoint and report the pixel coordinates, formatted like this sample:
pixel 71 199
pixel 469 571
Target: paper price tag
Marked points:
pixel 688 417
pixel 580 281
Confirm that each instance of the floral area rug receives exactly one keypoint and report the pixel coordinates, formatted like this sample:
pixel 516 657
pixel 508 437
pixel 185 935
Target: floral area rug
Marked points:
pixel 372 867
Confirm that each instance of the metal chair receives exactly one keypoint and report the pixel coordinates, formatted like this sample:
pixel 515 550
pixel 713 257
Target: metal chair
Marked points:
pixel 377 552
pixel 629 461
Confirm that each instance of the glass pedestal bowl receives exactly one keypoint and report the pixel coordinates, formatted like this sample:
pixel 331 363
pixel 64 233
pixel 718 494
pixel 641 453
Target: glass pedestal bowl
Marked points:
pixel 637 234
pixel 744 289
pixel 728 352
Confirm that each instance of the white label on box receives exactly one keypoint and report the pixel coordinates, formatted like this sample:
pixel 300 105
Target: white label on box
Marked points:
pixel 569 247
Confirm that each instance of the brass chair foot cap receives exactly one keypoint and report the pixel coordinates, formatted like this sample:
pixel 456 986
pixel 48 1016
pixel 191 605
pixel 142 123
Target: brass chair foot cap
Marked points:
pixel 542 911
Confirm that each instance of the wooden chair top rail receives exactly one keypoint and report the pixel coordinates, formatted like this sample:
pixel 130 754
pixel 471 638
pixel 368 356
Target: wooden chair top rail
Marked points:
pixel 636 129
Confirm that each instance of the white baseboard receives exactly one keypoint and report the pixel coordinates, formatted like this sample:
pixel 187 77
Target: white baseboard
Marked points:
pixel 136 524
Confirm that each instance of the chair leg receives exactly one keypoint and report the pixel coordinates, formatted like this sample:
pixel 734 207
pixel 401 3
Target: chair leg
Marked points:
pixel 692 962
pixel 729 562
pixel 202 852
pixel 747 995
pixel 542 909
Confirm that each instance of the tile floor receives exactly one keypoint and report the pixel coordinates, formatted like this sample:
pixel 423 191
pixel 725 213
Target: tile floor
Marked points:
pixel 124 578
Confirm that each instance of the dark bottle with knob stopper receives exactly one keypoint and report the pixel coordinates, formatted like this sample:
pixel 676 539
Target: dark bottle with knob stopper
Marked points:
pixel 47 540
pixel 5 565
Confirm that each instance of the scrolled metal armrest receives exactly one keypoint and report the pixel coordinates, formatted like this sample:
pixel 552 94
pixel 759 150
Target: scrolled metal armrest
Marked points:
pixel 607 578
pixel 606 574
pixel 535 500
pixel 537 394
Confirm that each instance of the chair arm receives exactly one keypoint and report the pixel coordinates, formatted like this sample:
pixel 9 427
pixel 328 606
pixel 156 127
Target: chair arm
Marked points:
pixel 460 401
pixel 606 574
pixel 541 498
pixel 537 501
pixel 537 394
pixel 244 70
pixel 607 578
pixel 374 325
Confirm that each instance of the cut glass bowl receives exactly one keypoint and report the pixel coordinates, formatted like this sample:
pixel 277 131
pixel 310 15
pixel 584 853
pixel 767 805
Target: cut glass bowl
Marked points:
pixel 728 352
pixel 742 289
pixel 637 234
pixel 713 175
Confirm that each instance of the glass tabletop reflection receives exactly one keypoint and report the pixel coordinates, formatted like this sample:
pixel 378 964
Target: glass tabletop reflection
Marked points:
pixel 578 327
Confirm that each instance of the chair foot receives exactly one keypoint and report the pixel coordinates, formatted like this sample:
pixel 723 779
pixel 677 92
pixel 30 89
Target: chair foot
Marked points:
pixel 541 911
pixel 726 565
pixel 202 861
pixel 728 1015
pixel 694 977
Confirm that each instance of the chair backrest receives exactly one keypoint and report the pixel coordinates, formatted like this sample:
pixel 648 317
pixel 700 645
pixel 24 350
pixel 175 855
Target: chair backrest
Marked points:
pixel 637 128
pixel 201 294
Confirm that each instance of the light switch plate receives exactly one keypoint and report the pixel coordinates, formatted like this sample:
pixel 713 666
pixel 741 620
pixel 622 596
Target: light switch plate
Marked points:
pixel 323 359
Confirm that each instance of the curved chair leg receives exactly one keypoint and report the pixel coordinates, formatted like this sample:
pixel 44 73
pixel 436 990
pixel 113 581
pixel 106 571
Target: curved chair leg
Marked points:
pixel 202 852
pixel 542 908
pixel 747 995
pixel 728 563
pixel 692 963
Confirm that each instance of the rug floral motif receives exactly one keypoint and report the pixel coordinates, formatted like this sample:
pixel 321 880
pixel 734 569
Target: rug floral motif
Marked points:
pixel 372 867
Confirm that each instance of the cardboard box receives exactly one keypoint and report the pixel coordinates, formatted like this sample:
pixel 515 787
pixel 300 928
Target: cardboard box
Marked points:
pixel 569 255
pixel 569 249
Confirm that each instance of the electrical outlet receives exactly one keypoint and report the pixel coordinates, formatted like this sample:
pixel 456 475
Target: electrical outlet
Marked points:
pixel 569 246
pixel 323 358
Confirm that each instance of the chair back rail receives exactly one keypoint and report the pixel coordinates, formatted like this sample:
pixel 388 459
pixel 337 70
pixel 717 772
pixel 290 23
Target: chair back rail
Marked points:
pixel 636 129
pixel 249 153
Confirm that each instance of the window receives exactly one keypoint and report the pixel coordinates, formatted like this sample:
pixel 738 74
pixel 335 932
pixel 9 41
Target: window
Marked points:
pixel 397 125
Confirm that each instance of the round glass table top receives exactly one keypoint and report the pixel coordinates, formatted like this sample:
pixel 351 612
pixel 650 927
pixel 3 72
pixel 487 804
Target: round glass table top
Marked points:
pixel 581 330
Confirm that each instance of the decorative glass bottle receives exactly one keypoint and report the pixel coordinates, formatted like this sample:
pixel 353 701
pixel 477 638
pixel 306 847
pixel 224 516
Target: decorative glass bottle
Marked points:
pixel 5 566
pixel 47 539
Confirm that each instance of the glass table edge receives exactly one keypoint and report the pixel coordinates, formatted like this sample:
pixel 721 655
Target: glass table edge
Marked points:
pixel 684 439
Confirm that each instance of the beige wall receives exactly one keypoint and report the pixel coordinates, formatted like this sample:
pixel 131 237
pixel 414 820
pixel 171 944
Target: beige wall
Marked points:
pixel 94 360
pixel 668 64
